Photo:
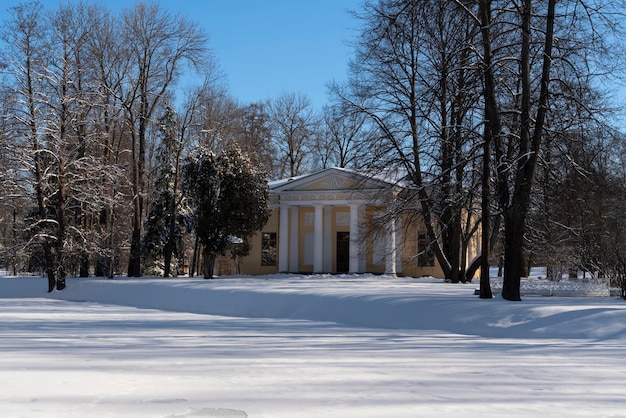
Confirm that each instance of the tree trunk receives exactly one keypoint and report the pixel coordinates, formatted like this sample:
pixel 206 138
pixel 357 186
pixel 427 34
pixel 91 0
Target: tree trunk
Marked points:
pixel 451 244
pixel 167 258
pixel 485 283
pixel 168 250
pixel 526 263
pixel 463 264
pixel 61 278
pixel 194 258
pixel 134 261
pixel 84 266
pixel 515 215
pixel 514 221
pixel 492 129
pixel 61 237
pixel 473 268
pixel 209 264
pixel 52 281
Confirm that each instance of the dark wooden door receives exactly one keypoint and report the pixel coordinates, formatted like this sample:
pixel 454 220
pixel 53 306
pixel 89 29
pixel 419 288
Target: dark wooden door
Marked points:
pixel 343 252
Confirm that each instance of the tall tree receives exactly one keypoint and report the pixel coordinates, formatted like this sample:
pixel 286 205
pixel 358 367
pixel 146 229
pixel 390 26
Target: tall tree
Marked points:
pixel 157 45
pixel 413 78
pixel 164 227
pixel 76 76
pixel 76 73
pixel 13 201
pixel 293 122
pixel 26 37
pixel 255 138
pixel 108 69
pixel 342 138
pixel 230 200
pixel 519 93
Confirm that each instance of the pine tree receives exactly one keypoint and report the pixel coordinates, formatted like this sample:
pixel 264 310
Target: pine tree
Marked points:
pixel 162 239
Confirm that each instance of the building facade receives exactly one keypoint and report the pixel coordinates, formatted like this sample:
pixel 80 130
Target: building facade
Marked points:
pixel 340 221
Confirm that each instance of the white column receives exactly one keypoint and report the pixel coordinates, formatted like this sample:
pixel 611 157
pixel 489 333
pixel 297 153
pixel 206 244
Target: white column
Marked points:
pixel 399 244
pixel 294 239
pixel 318 236
pixel 362 239
pixel 390 259
pixel 328 239
pixel 283 240
pixel 355 252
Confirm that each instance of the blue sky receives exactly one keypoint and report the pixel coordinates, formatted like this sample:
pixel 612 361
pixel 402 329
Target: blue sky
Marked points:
pixel 265 48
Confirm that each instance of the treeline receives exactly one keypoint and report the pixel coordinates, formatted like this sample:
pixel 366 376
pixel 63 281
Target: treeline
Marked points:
pixel 87 99
pixel 496 112
pixel 500 112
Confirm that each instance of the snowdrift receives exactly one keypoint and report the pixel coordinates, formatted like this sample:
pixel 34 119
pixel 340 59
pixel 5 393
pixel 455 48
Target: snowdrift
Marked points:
pixel 352 300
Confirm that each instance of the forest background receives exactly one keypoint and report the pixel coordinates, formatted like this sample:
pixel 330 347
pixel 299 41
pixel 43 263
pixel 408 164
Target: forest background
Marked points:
pixel 502 109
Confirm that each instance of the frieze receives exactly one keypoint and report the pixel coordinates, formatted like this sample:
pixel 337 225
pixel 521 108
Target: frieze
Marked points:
pixel 324 196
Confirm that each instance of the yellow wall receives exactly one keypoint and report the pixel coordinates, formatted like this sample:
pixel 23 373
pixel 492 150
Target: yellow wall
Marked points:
pixel 252 263
pixel 410 227
pixel 373 234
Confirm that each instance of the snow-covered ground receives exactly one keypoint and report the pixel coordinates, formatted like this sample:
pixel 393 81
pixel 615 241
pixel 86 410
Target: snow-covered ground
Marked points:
pixel 305 346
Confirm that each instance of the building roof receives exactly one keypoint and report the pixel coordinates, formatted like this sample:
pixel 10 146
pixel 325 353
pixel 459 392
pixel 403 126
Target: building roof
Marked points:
pixel 342 176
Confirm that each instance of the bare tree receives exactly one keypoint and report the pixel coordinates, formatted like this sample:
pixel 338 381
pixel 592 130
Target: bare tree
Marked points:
pixel 218 117
pixel 413 77
pixel 519 94
pixel 26 37
pixel 293 122
pixel 255 138
pixel 157 45
pixel 81 111
pixel 342 138
pixel 578 179
pixel 450 105
pixel 13 201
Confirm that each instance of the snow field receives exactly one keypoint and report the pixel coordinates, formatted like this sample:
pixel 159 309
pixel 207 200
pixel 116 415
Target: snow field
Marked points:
pixel 313 346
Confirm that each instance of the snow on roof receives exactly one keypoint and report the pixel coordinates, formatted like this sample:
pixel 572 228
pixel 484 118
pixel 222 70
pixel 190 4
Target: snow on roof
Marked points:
pixel 388 175
pixel 277 183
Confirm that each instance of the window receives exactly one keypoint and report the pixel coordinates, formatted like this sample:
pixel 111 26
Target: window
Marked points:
pixel 268 249
pixel 425 254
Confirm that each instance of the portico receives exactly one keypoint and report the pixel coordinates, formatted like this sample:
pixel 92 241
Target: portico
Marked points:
pixel 323 237
pixel 323 227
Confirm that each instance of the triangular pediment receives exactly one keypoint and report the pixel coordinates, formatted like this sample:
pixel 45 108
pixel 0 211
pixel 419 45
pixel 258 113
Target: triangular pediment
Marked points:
pixel 333 182
pixel 332 179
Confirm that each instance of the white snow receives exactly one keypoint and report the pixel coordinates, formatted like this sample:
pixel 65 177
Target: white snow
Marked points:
pixel 305 346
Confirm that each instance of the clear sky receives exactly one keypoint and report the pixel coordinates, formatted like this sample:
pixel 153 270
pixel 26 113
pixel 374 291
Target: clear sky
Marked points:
pixel 266 47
